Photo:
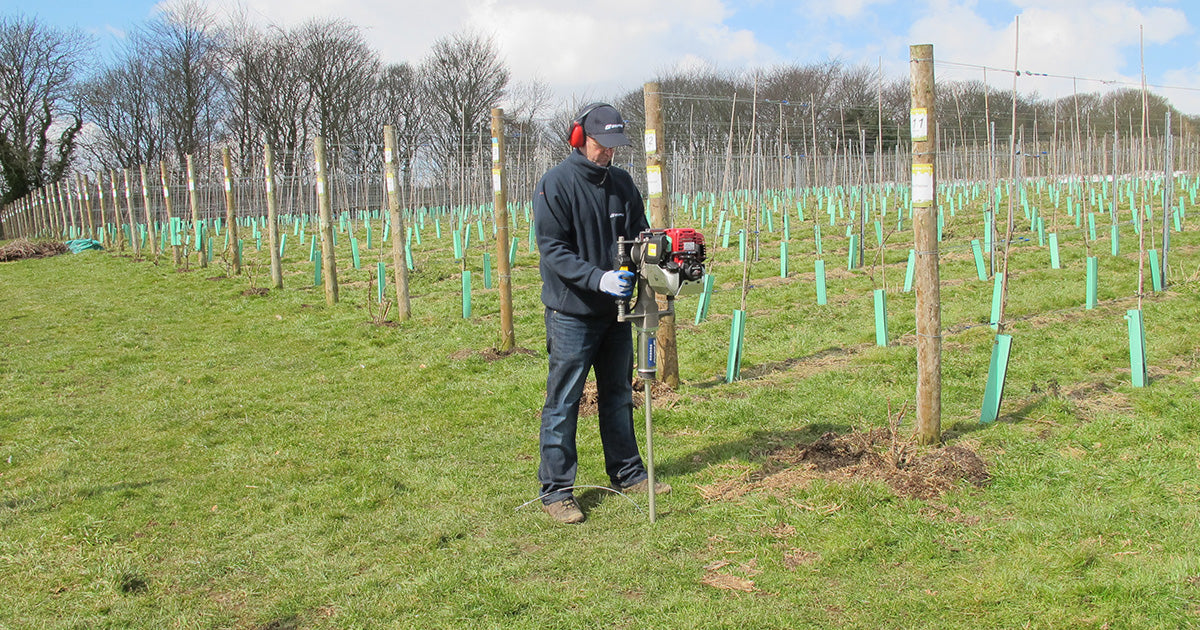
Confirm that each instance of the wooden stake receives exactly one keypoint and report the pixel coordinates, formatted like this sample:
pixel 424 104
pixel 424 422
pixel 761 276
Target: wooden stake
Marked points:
pixel 660 217
pixel 324 207
pixel 500 198
pixel 176 250
pixel 928 298
pixel 133 232
pixel 399 234
pixel 194 205
pixel 272 217
pixel 151 235
pixel 231 227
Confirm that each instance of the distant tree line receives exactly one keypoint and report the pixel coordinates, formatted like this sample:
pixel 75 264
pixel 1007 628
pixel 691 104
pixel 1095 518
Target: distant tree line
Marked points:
pixel 186 83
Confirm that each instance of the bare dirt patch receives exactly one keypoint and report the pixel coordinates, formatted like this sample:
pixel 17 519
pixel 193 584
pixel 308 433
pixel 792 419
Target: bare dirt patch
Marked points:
pixel 661 396
pixel 257 291
pixel 724 575
pixel 491 354
pixel 876 455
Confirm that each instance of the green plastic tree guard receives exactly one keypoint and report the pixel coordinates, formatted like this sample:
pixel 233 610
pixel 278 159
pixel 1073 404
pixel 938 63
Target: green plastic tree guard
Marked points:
pixel 997 371
pixel 1137 348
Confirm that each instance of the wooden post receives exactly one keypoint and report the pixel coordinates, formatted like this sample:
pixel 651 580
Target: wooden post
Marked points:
pixel 85 204
pixel 1167 199
pixel 194 205
pixel 231 231
pixel 151 236
pixel 399 236
pixel 500 189
pixel 48 209
pixel 272 217
pixel 924 200
pixel 325 209
pixel 112 180
pixel 100 203
pixel 660 217
pixel 165 175
pixel 64 189
pixel 133 233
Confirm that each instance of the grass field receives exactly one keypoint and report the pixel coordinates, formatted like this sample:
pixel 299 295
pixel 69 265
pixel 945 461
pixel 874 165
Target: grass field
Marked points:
pixel 177 454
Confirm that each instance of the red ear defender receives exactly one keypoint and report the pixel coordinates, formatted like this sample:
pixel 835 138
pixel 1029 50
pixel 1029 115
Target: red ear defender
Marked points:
pixel 578 138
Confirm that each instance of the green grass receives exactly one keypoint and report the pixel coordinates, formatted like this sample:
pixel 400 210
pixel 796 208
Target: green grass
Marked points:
pixel 174 454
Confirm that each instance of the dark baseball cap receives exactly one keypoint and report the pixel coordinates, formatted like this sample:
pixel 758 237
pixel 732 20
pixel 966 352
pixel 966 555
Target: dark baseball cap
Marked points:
pixel 606 125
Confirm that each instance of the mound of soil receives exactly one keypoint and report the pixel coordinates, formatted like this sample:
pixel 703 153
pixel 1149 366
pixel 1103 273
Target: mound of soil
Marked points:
pixel 661 396
pixel 21 249
pixel 877 455
pixel 490 354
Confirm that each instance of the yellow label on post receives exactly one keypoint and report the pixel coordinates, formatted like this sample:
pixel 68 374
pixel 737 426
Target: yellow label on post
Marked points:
pixel 495 149
pixel 919 123
pixel 496 180
pixel 387 155
pixel 391 183
pixel 654 180
pixel 922 184
pixel 651 142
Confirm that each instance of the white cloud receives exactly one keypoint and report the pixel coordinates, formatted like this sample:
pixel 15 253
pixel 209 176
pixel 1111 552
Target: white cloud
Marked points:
pixel 1074 38
pixel 580 50
pixel 1187 101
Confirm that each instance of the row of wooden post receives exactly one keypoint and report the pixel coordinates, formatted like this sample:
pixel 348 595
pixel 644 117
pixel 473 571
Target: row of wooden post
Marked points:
pixel 47 210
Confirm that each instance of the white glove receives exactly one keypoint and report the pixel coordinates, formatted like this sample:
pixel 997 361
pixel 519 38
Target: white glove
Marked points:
pixel 617 283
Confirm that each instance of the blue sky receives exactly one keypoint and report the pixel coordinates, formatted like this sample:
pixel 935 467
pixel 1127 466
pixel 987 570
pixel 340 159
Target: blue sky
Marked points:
pixel 585 50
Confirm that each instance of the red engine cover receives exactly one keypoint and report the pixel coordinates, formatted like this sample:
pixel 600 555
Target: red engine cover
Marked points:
pixel 686 241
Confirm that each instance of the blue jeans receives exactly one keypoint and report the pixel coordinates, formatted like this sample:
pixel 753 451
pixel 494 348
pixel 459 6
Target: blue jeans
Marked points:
pixel 577 344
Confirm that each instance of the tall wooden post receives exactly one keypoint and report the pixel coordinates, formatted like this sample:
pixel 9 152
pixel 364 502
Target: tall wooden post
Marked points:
pixel 112 180
pixel 325 210
pixel 231 226
pixel 133 231
pixel 151 235
pixel 165 176
pixel 100 203
pixel 399 235
pixel 64 191
pixel 85 204
pixel 500 188
pixel 51 215
pixel 272 217
pixel 660 217
pixel 927 279
pixel 1168 198
pixel 194 206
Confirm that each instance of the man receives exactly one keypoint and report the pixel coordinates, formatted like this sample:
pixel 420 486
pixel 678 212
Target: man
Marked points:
pixel 581 207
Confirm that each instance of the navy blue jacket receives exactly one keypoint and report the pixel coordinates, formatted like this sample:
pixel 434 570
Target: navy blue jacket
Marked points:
pixel 580 209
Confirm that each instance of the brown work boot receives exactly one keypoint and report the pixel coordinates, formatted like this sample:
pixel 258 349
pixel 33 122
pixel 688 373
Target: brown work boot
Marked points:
pixel 640 487
pixel 565 511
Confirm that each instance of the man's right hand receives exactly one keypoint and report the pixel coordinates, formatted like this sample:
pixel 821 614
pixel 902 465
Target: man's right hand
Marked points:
pixel 617 283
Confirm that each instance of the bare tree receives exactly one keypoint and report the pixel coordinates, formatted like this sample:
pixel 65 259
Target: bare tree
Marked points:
pixel 183 45
pixel 398 102
pixel 267 80
pixel 340 70
pixel 39 115
pixel 464 79
pixel 121 104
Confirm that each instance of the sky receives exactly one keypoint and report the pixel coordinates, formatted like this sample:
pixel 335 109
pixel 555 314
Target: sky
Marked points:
pixel 585 51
